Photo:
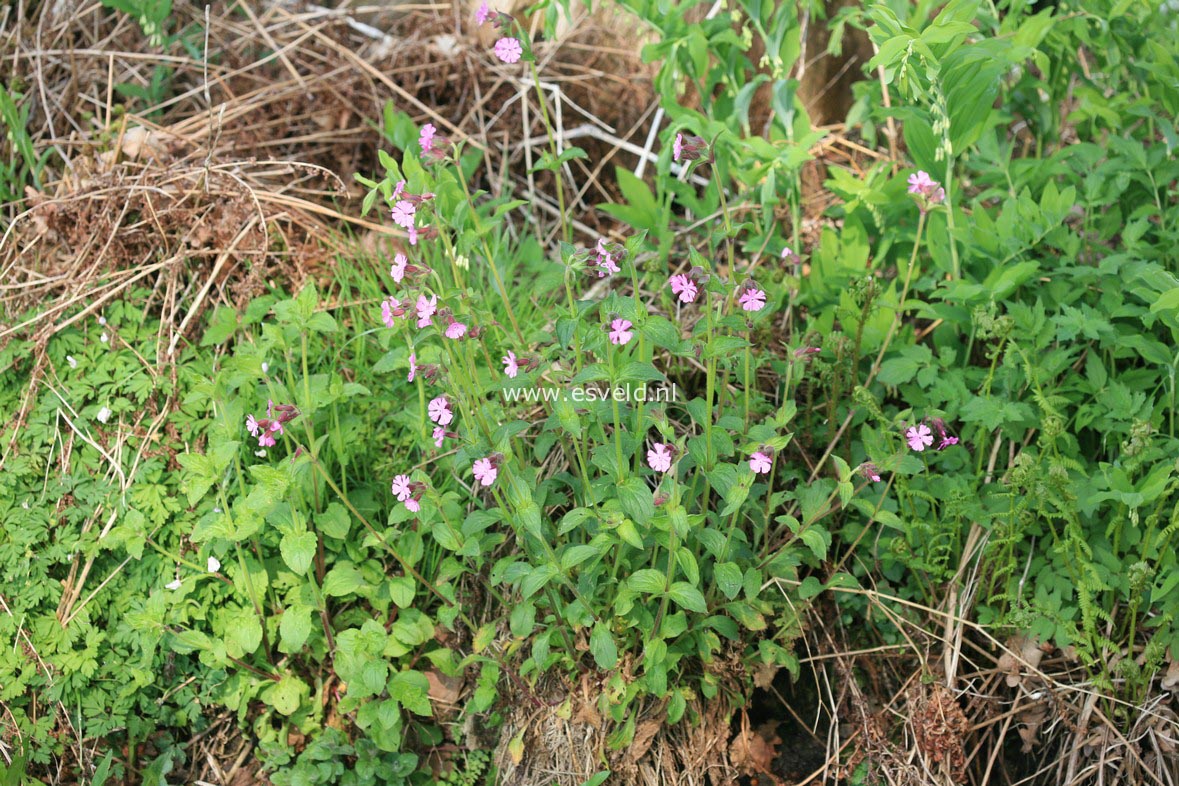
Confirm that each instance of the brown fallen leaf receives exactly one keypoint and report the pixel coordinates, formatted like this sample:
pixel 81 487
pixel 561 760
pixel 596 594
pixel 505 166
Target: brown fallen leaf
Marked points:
pixel 751 750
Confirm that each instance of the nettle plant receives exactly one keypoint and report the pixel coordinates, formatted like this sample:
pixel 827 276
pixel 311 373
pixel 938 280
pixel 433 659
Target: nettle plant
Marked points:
pixel 543 509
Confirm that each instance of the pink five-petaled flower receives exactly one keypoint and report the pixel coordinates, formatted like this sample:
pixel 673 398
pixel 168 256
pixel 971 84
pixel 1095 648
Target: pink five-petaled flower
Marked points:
pixel 426 137
pixel 659 457
pixel 485 471
pixel 483 13
pixel 760 463
pixel 413 367
pixel 511 367
pixel 684 287
pixel 439 435
pixel 508 49
pixel 919 437
pixel 456 329
pixel 397 189
pixel 397 269
pixel 391 309
pixel 426 309
pixel 439 410
pixel 921 183
pixel 403 213
pixel 752 299
pixel 620 331
pixel 401 487
pixel 412 505
pixel 252 426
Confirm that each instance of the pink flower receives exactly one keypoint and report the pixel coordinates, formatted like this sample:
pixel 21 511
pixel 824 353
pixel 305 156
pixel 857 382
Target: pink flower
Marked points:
pixel 760 463
pixel 919 437
pixel 397 189
pixel 684 287
pixel 426 309
pixel 391 309
pixel 921 183
pixel 266 439
pixel 439 435
pixel 607 261
pixel 456 329
pixel 412 234
pixel 508 49
pixel 401 487
pixel 397 269
pixel 511 368
pixel 413 367
pixel 252 426
pixel 753 299
pixel 483 13
pixel 426 137
pixel 403 213
pixel 485 471
pixel 412 505
pixel 620 332
pixel 659 457
pixel 869 470
pixel 439 410
pixel 688 148
pixel 945 440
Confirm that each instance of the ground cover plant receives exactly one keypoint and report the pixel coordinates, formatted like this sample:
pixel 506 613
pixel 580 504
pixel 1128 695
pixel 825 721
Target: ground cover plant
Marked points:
pixel 806 454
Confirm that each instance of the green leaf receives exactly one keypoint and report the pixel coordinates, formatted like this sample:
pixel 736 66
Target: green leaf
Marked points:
pixel 637 500
pixel 688 597
pixel 648 580
pixel 575 555
pixel 334 522
pixel 293 628
pixel 344 579
pixel 287 694
pixel 728 579
pixel 537 579
pixel 411 690
pixel 298 550
pixel 602 647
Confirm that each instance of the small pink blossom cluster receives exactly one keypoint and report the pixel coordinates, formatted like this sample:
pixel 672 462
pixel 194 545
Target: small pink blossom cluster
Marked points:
pixel 607 255
pixel 404 213
pixel 434 146
pixel 921 436
pixel 265 429
pixel 926 190
pixel 508 49
pixel 409 492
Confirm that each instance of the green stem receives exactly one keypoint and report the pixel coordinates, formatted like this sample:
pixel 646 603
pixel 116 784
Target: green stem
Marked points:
pixel 566 230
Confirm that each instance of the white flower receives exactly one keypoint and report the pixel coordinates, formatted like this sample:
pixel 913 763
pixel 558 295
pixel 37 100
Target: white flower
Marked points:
pixel 265 367
pixel 216 510
pixel 214 564
pixel 104 414
pixel 462 262
pixel 70 359
pixel 104 338
pixel 173 585
pixel 102 321
pixel 260 453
